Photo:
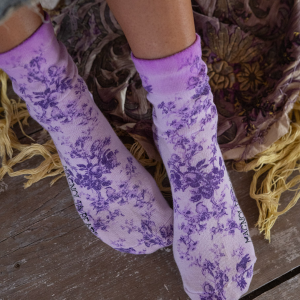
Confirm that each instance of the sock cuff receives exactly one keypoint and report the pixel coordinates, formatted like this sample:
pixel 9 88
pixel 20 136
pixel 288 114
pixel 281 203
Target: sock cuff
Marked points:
pixel 169 64
pixel 173 74
pixel 42 37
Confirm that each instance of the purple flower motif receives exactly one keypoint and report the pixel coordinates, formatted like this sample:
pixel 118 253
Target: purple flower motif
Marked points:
pixel 242 265
pixel 80 87
pixel 130 168
pixel 22 88
pixel 243 270
pixel 53 71
pixel 232 226
pixel 208 266
pixel 166 108
pixel 109 159
pixel 203 212
pixel 166 232
pixel 193 82
pixel 148 88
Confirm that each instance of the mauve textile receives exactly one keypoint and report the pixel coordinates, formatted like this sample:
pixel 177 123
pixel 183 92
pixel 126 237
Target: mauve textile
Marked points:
pixel 251 48
pixel 7 6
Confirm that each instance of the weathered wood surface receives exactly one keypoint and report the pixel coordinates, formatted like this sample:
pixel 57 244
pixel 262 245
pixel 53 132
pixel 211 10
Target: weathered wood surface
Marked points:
pixel 283 253
pixel 46 252
pixel 288 290
pixel 33 127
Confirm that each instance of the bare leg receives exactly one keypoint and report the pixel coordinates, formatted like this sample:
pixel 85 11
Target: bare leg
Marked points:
pixel 19 27
pixel 155 28
pixel 211 247
pixel 113 202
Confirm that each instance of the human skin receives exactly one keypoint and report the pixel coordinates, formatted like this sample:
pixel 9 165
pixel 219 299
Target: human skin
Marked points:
pixel 19 26
pixel 155 28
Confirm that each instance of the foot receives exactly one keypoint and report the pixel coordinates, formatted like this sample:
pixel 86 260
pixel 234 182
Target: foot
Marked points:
pixel 115 196
pixel 212 246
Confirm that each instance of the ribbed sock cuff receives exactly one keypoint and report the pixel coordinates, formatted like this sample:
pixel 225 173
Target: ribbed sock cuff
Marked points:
pixel 43 36
pixel 171 73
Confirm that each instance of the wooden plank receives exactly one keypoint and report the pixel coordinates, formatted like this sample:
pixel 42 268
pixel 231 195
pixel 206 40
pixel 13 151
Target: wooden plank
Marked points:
pixel 46 252
pixel 32 128
pixel 282 254
pixel 288 290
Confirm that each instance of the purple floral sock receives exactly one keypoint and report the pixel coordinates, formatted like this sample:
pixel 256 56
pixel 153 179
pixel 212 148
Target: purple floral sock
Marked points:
pixel 212 246
pixel 115 196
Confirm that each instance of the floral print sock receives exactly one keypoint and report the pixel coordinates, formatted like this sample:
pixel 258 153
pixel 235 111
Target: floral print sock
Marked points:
pixel 212 246
pixel 115 196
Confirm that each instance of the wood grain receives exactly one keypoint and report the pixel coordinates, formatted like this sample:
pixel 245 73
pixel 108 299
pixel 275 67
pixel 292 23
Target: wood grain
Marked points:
pixel 282 254
pixel 32 128
pixel 288 290
pixel 46 252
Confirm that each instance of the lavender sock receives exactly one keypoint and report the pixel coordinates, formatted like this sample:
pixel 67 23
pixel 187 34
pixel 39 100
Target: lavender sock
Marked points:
pixel 212 246
pixel 115 196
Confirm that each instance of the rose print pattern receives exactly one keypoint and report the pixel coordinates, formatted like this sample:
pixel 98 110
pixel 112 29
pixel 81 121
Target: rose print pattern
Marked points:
pixel 217 277
pixel 52 79
pixel 90 176
pixel 243 268
pixel 208 222
pixel 114 195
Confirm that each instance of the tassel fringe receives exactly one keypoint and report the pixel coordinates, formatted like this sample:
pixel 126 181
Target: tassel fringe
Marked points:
pixel 275 164
pixel 13 152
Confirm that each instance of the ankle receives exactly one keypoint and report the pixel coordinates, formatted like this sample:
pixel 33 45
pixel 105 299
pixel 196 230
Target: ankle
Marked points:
pixel 21 25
